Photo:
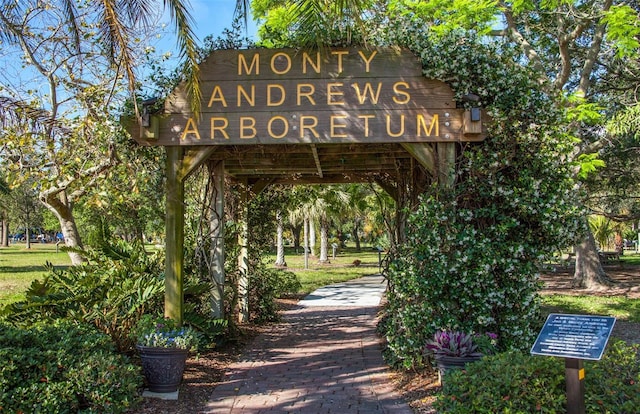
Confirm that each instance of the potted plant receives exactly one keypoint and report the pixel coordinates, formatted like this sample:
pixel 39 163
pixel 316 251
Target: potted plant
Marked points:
pixel 455 349
pixel 164 347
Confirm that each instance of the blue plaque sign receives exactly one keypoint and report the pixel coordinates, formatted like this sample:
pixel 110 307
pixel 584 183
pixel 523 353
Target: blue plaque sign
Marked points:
pixel 574 336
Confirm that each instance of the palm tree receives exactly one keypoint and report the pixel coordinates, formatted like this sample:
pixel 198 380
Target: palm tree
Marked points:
pixel 4 228
pixel 329 205
pixel 280 261
pixel 117 32
pixel 315 23
pixel 602 229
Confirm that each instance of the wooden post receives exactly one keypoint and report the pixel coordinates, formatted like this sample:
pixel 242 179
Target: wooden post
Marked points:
pixel 174 265
pixel 446 163
pixel 574 377
pixel 216 226
pixel 305 232
pixel 243 257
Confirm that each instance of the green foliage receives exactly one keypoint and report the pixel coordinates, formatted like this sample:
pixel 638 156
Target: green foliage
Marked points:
pixel 111 291
pixel 623 29
pixel 159 332
pixel 589 163
pixel 513 382
pixel 471 258
pixel 603 230
pixel 447 15
pixel 265 286
pixel 62 367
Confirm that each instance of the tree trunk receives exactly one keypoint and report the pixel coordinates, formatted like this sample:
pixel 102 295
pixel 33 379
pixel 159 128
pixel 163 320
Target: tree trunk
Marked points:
pixel 63 211
pixel 324 241
pixel 589 273
pixel 280 262
pixel 5 233
pixel 312 238
pixel 27 234
pixel 295 231
pixel 356 229
pixel 305 241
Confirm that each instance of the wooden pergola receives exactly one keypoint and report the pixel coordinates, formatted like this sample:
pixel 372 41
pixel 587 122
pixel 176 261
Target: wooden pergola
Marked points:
pixel 302 117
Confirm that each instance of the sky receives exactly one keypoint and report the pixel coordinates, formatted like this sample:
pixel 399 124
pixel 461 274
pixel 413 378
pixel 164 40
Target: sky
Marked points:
pixel 211 18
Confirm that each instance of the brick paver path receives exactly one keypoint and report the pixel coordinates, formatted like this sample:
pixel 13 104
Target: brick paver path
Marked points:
pixel 324 359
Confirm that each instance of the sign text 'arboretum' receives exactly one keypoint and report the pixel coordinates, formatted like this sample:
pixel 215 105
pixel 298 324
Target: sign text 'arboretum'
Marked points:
pixel 280 96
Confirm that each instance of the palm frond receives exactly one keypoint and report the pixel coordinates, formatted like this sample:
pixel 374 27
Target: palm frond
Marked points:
pixel 69 7
pixel 10 13
pixel 316 16
pixel 14 111
pixel 242 10
pixel 188 51
pixel 115 34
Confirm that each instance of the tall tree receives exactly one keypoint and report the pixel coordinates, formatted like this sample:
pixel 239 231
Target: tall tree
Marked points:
pixel 312 23
pixel 4 219
pixel 63 135
pixel 25 210
pixel 571 44
pixel 280 260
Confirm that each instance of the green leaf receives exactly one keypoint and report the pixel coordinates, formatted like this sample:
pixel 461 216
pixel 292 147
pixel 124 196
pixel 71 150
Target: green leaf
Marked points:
pixel 589 163
pixel 623 29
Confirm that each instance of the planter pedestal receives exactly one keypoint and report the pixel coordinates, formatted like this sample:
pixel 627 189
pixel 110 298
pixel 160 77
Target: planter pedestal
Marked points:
pixel 163 367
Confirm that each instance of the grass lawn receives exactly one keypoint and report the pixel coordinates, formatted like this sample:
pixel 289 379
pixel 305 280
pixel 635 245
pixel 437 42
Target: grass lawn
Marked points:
pixel 19 266
pixel 630 258
pixel 620 307
pixel 340 269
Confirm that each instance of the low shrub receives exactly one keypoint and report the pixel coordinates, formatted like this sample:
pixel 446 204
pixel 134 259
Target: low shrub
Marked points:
pixel 117 285
pixel 112 290
pixel 265 286
pixel 513 382
pixel 62 367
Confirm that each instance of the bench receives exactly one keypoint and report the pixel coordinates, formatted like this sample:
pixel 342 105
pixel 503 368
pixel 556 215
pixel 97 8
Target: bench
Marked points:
pixel 607 257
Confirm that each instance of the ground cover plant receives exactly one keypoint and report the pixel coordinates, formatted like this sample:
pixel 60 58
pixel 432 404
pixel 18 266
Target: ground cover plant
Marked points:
pixel 64 367
pixel 112 290
pixel 514 382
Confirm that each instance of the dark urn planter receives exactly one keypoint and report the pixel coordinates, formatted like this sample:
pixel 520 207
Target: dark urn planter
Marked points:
pixel 162 367
pixel 447 363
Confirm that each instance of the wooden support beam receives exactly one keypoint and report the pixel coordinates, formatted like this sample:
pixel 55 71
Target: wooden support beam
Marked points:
pixel 260 185
pixel 216 228
pixel 193 159
pixel 423 153
pixel 243 257
pixel 389 189
pixel 174 223
pixel 446 163
pixel 314 150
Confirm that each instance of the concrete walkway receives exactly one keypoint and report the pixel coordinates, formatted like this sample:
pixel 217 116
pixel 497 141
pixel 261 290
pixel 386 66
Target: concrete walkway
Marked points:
pixel 324 357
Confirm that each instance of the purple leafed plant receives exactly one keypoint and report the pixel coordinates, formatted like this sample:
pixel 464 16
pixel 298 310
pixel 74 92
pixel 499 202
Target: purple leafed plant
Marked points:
pixel 453 343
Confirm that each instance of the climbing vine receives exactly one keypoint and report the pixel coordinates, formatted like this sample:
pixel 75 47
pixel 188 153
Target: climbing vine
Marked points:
pixel 473 250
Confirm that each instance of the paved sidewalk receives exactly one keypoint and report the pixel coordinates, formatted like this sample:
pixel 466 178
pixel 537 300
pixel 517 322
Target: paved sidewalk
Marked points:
pixel 324 357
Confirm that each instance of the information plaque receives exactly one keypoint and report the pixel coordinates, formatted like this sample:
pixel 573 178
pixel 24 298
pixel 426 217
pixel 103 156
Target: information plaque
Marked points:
pixel 574 336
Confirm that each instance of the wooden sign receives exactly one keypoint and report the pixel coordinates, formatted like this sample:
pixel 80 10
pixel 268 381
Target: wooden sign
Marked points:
pixel 286 96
